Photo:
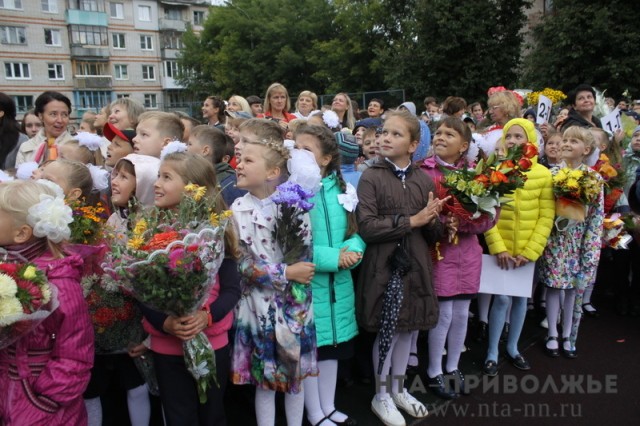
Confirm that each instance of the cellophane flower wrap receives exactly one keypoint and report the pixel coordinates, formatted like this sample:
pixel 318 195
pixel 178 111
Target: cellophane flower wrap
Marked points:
pixel 290 231
pixel 481 189
pixel 26 299
pixel 575 190
pixel 170 262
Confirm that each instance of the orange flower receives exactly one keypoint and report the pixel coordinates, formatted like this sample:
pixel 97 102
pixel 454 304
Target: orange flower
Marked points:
pixel 507 164
pixel 498 177
pixel 483 179
pixel 161 240
pixel 529 150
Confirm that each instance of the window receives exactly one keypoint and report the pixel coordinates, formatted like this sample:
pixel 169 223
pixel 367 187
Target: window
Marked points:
pixel 91 68
pixel 10 4
pixel 17 70
pixel 92 99
pixel 116 10
pixel 23 103
pixel 144 13
pixel 56 71
pixel 146 43
pixel 175 99
pixel 52 37
pixel 150 100
pixel 122 95
pixel 49 6
pixel 13 35
pixel 172 41
pixel 89 35
pixel 172 13
pixel 117 40
pixel 121 72
pixel 171 68
pixel 148 72
pixel 198 17
pixel 87 5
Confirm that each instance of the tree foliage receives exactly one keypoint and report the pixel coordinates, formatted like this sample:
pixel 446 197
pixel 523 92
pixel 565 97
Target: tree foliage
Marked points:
pixel 587 41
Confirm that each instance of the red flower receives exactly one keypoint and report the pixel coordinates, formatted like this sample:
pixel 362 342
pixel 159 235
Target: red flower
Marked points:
pixel 9 269
pixel 29 295
pixel 161 241
pixel 529 150
pixel 104 317
pixel 524 163
pixel 498 177
pixel 483 179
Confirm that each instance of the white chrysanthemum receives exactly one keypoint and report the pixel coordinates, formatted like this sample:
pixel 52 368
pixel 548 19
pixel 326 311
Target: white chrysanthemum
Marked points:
pixel 46 294
pixel 9 307
pixel 51 218
pixel 171 147
pixel 8 286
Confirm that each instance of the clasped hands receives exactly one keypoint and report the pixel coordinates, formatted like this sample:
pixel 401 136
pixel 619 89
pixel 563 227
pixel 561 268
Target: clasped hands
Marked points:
pixel 429 213
pixel 504 260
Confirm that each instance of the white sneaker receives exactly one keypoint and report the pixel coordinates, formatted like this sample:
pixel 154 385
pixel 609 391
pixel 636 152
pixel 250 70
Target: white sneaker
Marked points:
pixel 386 411
pixel 409 404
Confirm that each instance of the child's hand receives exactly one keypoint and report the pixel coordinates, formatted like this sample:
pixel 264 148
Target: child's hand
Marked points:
pixel 520 260
pixel 185 328
pixel 503 260
pixel 301 272
pixel 137 350
pixel 426 215
pixel 348 258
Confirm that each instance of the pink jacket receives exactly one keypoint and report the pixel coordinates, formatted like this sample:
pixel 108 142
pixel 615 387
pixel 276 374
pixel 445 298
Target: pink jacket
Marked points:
pixel 43 375
pixel 459 271
pixel 167 344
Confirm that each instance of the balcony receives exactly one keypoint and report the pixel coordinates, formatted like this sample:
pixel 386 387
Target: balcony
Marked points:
pixel 179 25
pixel 82 17
pixel 78 52
pixel 92 82
pixel 170 83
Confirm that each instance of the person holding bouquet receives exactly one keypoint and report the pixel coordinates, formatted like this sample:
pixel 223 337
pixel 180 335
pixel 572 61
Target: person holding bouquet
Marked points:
pixel 45 372
pixel 571 257
pixel 275 342
pixel 519 237
pixel 180 394
pixel 456 271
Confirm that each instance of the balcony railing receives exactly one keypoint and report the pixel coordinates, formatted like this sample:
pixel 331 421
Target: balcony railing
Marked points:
pixel 93 81
pixel 89 51
pixel 172 25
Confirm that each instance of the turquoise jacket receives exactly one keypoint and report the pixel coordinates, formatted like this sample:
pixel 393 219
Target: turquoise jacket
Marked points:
pixel 332 288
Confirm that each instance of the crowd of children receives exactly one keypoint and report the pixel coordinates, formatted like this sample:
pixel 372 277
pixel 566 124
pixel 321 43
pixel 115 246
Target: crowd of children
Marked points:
pixel 384 253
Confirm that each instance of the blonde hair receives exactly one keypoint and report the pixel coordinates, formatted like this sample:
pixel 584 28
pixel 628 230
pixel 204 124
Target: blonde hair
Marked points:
pixel 17 197
pixel 275 87
pixel 167 124
pixel 295 124
pixel 78 176
pixel 134 109
pixel 196 169
pixel 508 101
pixel 583 134
pixel 349 119
pixel 263 128
pixel 88 156
pixel 242 101
pixel 308 94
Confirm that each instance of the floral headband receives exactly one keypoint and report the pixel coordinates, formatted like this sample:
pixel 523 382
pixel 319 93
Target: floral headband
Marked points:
pixel 50 218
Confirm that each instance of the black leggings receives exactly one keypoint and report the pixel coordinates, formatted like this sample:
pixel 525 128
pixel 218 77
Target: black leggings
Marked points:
pixel 179 394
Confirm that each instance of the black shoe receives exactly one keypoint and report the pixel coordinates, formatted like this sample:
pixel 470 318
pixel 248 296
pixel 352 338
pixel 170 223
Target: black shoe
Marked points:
pixel 482 331
pixel 570 354
pixel 490 368
pixel 347 422
pixel 593 313
pixel 519 362
pixel 459 382
pixel 553 353
pixel 438 386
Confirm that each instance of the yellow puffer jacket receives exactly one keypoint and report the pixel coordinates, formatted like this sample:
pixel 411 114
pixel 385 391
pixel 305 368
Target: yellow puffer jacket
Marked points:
pixel 525 223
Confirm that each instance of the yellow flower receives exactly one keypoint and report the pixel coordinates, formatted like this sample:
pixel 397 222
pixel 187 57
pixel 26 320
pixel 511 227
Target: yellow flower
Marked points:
pixel 214 219
pixel 226 214
pixel 140 227
pixel 29 273
pixel 572 183
pixel 195 191
pixel 575 174
pixel 135 243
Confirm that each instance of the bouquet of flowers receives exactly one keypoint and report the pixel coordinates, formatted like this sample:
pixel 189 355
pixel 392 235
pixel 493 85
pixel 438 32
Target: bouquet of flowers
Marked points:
pixel 575 190
pixel 170 262
pixel 26 299
pixel 88 222
pixel 291 232
pixel 614 177
pixel 615 234
pixel 555 96
pixel 479 190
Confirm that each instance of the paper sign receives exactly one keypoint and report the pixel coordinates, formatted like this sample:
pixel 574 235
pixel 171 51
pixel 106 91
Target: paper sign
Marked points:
pixel 612 121
pixel 544 110
pixel 513 282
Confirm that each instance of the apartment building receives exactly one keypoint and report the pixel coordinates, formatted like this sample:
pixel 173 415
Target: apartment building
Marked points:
pixel 95 51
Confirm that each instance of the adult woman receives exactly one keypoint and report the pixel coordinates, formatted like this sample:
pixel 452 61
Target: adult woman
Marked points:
pixel 277 104
pixel 31 124
pixel 341 105
pixel 237 103
pixel 124 113
pixel 582 100
pixel 102 118
pixel 53 108
pixel 10 136
pixel 213 111
pixel 503 106
pixel 306 104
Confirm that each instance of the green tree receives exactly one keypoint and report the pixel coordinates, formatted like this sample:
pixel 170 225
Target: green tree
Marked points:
pixel 586 41
pixel 249 44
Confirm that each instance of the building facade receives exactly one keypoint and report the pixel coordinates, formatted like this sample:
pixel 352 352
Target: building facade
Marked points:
pixel 95 51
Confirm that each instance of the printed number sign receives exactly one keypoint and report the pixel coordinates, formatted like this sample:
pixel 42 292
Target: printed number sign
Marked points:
pixel 544 110
pixel 612 121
